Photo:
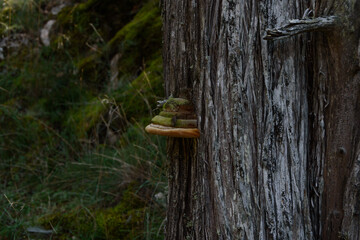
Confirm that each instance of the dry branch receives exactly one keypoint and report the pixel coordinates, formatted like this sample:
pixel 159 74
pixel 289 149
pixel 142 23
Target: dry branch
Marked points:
pixel 297 26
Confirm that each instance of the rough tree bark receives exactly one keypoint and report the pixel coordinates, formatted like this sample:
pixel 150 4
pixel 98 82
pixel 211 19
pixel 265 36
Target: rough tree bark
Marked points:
pixel 279 152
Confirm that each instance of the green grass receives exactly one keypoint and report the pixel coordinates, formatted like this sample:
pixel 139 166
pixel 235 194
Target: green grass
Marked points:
pixel 67 195
pixel 20 16
pixel 74 156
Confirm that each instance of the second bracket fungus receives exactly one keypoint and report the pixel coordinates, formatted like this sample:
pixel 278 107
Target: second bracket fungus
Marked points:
pixel 176 120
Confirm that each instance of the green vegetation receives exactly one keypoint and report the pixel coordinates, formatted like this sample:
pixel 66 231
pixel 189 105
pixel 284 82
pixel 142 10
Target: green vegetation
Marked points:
pixel 74 156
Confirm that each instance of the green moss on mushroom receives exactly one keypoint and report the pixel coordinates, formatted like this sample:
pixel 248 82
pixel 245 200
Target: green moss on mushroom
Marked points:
pixel 180 123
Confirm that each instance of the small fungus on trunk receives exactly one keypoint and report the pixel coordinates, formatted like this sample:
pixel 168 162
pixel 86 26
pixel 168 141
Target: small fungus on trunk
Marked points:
pixel 176 120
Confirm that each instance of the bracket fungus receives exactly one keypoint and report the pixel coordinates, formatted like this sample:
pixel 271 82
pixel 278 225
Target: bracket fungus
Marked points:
pixel 176 120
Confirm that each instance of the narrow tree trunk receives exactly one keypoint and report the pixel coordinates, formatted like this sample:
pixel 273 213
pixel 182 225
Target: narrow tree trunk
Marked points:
pixel 335 108
pixel 279 152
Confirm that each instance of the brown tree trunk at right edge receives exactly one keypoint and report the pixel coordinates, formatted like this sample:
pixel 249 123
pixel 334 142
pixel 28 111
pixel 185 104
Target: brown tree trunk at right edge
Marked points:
pixel 335 115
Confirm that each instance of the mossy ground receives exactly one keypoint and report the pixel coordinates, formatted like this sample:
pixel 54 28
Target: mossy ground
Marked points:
pixel 126 220
pixel 74 156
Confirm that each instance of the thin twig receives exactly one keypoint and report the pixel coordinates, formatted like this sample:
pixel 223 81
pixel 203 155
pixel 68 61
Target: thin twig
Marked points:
pixel 97 33
pixel 297 26
pixel 3 89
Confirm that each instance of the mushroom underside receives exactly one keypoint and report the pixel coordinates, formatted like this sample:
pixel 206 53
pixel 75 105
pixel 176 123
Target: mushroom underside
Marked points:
pixel 172 131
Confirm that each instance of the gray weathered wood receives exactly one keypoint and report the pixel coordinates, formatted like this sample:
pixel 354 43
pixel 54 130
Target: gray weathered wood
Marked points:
pixel 278 155
pixel 297 26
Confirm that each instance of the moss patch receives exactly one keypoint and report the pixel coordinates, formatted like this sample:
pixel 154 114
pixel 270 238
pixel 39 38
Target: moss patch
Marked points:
pixel 139 96
pixel 173 122
pixel 123 221
pixel 141 35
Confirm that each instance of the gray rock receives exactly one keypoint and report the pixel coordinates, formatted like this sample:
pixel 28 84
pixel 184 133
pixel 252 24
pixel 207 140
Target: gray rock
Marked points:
pixel 45 32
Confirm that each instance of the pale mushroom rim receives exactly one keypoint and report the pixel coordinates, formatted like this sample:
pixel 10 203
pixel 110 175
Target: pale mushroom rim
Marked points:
pixel 172 131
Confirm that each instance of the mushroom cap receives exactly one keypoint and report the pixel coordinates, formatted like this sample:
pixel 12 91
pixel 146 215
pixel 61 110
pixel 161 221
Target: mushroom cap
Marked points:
pixel 172 132
pixel 174 122
pixel 179 115
pixel 177 104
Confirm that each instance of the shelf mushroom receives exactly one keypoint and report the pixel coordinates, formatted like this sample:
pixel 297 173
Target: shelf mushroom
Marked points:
pixel 176 120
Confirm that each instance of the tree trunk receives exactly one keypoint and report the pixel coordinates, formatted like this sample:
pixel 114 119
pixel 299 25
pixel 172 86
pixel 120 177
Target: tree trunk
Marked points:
pixel 279 151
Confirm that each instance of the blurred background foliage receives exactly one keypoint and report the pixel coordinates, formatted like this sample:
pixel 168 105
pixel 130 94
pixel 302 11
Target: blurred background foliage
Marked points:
pixel 75 162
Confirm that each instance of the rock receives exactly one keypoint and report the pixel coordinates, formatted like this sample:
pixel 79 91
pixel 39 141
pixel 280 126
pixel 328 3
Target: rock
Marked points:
pixel 57 9
pixel 45 32
pixel 12 43
pixel 2 57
